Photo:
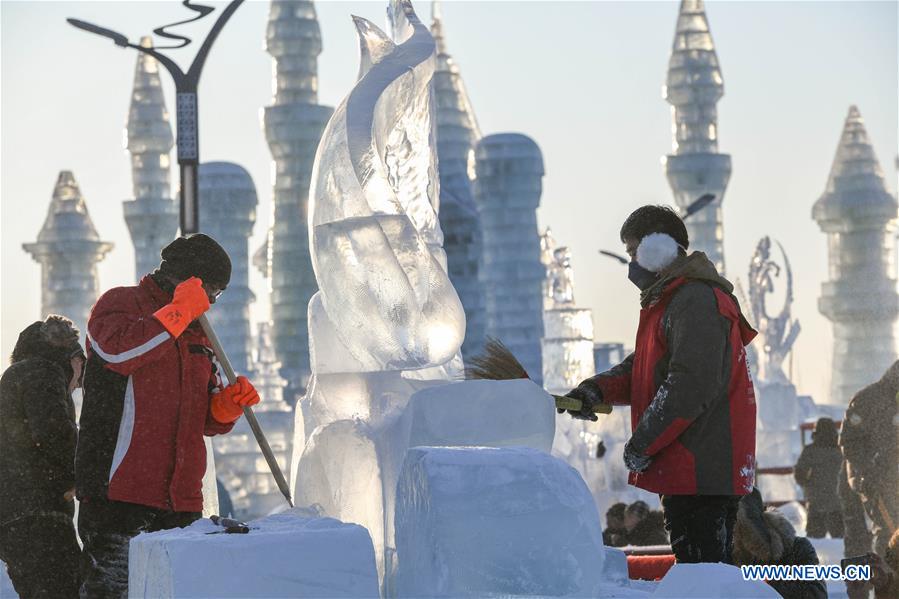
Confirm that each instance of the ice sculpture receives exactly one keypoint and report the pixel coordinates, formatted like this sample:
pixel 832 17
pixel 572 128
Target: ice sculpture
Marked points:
pixel 779 331
pixel 386 320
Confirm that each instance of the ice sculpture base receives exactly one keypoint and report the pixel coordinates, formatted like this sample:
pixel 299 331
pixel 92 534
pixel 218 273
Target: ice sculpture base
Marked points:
pixel 282 556
pixel 485 413
pixel 481 521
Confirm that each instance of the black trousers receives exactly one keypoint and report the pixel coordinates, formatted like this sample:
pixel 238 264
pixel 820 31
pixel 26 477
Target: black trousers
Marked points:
pixel 41 555
pixel 818 524
pixel 701 527
pixel 106 528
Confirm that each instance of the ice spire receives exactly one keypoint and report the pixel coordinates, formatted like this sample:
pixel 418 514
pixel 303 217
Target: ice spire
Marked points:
pixel 693 87
pixel 457 135
pixel 858 215
pixel 152 216
pixel 293 127
pixel 68 249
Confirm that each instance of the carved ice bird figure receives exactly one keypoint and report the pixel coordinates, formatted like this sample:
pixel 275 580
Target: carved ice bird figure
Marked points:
pixel 376 242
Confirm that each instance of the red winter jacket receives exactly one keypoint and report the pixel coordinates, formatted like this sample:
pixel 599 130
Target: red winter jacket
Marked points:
pixel 688 385
pixel 146 404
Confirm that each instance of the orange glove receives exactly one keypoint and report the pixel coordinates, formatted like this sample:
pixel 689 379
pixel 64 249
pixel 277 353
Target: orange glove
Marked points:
pixel 227 405
pixel 189 302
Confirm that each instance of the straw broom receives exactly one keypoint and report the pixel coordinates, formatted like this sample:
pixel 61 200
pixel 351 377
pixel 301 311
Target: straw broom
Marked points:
pixel 497 363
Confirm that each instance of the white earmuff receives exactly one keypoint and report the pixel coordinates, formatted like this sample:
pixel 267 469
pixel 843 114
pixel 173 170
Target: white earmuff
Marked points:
pixel 656 251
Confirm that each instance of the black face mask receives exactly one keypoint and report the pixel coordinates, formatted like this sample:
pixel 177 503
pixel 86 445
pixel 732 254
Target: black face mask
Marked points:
pixel 640 276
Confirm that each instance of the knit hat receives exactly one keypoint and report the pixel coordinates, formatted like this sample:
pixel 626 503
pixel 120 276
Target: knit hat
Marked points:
pixel 197 255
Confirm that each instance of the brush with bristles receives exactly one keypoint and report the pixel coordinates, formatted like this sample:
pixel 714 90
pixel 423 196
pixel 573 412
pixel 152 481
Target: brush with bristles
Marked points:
pixel 497 363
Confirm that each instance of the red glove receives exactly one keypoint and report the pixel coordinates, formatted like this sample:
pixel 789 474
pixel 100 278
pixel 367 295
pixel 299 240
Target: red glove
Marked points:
pixel 227 405
pixel 189 302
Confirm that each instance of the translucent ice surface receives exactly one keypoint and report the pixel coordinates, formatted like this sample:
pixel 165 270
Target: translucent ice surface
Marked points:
pixel 375 237
pixel 481 521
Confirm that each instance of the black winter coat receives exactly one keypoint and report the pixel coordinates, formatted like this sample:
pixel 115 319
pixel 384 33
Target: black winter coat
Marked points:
pixel 38 435
pixel 818 473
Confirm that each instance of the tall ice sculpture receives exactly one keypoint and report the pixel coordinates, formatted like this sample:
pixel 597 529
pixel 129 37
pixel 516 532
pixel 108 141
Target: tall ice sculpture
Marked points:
pixel 693 87
pixel 858 215
pixel 386 320
pixel 152 216
pixel 68 250
pixel 293 127
pixel 457 135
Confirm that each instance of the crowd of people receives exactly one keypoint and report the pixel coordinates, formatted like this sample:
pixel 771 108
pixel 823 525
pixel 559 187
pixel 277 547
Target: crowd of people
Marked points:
pixel 136 459
pixel 152 390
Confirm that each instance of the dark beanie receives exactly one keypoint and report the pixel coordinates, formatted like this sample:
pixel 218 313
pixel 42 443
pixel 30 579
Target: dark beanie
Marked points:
pixel 197 255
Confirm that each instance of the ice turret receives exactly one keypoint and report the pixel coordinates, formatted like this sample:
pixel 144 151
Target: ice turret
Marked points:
pixel 152 216
pixel 228 213
pixel 293 127
pixel 693 87
pixel 457 134
pixel 507 191
pixel 68 249
pixel 858 215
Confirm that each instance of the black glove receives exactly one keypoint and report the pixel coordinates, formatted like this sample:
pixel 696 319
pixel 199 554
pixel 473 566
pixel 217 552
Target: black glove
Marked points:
pixel 635 462
pixel 589 394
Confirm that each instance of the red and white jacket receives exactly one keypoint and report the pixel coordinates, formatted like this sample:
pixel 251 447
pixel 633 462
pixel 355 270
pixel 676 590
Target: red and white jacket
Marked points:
pixel 146 404
pixel 688 385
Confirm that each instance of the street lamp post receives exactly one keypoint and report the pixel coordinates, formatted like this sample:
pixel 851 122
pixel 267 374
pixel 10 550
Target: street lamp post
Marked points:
pixel 186 109
pixel 188 144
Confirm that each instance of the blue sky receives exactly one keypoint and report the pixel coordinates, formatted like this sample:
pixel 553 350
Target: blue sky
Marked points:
pixel 582 78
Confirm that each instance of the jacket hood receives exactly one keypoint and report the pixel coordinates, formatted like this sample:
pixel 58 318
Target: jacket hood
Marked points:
pixel 695 266
pixel 764 540
pixel 54 339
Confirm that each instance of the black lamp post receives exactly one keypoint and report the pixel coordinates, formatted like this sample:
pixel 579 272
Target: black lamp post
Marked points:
pixel 186 113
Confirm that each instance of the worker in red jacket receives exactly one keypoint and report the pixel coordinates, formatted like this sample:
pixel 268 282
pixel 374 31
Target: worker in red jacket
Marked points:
pixel 688 385
pixel 151 392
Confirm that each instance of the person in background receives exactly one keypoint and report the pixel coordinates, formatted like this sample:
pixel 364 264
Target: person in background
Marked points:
pixel 767 538
pixel 151 392
pixel 38 435
pixel 870 441
pixel 688 384
pixel 613 535
pixel 817 471
pixel 644 526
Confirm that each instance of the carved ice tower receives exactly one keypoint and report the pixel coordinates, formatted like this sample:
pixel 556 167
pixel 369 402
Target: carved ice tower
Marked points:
pixel 68 250
pixel 858 215
pixel 457 135
pixel 228 213
pixel 293 127
pixel 152 216
pixel 693 87
pixel 507 191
